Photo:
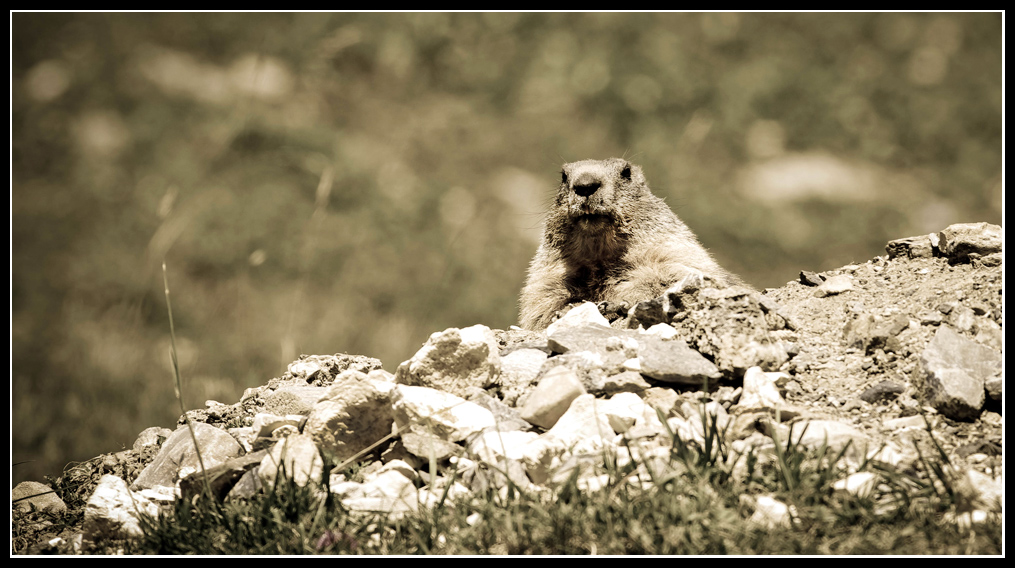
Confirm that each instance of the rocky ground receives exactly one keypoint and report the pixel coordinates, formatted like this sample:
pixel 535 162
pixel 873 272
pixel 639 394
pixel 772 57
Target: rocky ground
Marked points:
pixel 869 354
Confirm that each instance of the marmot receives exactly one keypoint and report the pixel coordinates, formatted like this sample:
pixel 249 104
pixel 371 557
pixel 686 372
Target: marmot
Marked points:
pixel 608 239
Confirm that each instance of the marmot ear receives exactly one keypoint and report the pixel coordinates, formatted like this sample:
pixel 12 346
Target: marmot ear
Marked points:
pixel 626 172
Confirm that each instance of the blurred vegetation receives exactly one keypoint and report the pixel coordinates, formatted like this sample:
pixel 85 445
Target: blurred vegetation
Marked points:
pixel 322 183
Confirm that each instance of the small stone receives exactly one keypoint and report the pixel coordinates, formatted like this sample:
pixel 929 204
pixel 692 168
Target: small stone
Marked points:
pixel 630 380
pixel 178 453
pixel 675 362
pixel 585 313
pixel 760 390
pixel 995 387
pixel 592 338
pixel 958 241
pixel 300 458
pixel 770 512
pixel 508 419
pixel 153 436
pixel 650 313
pixel 911 247
pixel 882 391
pixel 221 478
pixel 28 494
pixel 834 285
pixel 520 367
pixel 355 413
pixel 293 400
pixel 811 278
pixel 955 370
pixel 454 360
pixel 428 447
pixel 552 397
pixel 861 484
pixel 429 411
pixel 112 510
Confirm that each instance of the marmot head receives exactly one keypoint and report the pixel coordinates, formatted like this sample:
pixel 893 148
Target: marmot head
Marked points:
pixel 593 207
pixel 597 191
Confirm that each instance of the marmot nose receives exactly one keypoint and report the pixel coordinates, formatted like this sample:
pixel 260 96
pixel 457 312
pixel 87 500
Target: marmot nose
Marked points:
pixel 586 185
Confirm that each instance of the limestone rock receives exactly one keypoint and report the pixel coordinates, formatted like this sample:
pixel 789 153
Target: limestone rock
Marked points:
pixel 552 397
pixel 911 247
pixel 29 494
pixel 580 315
pixel 355 414
pixel 760 390
pixel 264 423
pixel 112 510
pixel 428 411
pixel 178 453
pixel 995 386
pixel 153 436
pixel 955 371
pixel 627 381
pixel 675 362
pixel 834 285
pixel 298 456
pixel 861 484
pixel 454 360
pixel 959 241
pixel 884 390
pixel 508 419
pixel 770 512
pixel 606 342
pixel 389 491
pixel 221 478
pixel 582 429
pixel 519 368
pixel 426 446
pixel 492 446
pixel 626 411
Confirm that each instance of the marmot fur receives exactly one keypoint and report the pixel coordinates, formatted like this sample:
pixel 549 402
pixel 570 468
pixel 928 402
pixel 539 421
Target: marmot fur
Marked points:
pixel 608 239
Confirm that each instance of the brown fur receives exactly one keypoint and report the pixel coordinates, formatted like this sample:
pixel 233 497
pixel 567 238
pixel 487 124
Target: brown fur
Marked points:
pixel 608 239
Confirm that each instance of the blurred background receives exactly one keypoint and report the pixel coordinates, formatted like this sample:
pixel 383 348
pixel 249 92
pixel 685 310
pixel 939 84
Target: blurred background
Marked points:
pixel 324 183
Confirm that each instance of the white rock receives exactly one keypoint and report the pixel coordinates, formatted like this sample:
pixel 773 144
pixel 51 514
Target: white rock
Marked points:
pixel 834 285
pixel 552 397
pixel 264 423
pixel 626 410
pixel 298 455
pixel 430 411
pixel 521 366
pixel 760 390
pixel 861 484
pixel 584 423
pixel 577 316
pixel 491 446
pixel 354 414
pixel 633 364
pixel 583 429
pixel 112 511
pixel 454 360
pixel 662 330
pixel 771 512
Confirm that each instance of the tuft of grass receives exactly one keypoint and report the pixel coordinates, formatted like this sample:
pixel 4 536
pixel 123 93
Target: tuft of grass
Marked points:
pixel 694 510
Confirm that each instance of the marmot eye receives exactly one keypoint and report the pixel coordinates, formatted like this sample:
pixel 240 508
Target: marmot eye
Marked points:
pixel 626 172
pixel 563 177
